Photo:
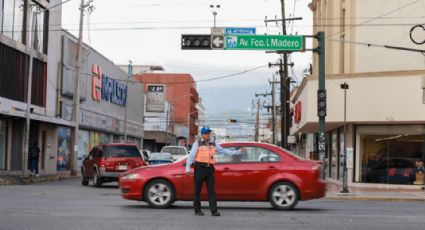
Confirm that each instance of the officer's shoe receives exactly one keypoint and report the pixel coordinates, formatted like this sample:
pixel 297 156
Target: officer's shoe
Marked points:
pixel 215 214
pixel 199 213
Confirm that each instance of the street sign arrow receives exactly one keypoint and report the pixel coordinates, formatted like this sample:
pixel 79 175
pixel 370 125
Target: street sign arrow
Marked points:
pixel 217 41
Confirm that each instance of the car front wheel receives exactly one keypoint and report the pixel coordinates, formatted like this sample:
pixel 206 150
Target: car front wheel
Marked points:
pixel 283 196
pixel 159 194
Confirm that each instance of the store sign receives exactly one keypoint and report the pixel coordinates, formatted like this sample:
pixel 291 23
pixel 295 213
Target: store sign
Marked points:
pixel 96 83
pixel 107 89
pixel 298 111
pixel 155 98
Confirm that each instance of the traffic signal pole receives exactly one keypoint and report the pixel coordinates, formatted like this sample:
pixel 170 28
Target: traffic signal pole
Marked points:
pixel 322 121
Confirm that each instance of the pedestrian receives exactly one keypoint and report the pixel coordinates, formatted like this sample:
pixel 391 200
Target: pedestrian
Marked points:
pixel 34 157
pixel 203 155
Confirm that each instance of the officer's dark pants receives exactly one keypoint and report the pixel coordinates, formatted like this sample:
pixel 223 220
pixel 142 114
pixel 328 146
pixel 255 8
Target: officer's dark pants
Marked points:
pixel 204 173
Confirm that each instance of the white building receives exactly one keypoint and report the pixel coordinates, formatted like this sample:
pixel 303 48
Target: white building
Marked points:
pixel 385 111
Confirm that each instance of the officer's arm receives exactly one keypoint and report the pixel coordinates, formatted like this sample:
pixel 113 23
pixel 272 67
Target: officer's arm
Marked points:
pixel 191 157
pixel 226 151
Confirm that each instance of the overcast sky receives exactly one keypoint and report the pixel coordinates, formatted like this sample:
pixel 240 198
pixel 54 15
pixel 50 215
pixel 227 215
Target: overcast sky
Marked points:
pixel 148 32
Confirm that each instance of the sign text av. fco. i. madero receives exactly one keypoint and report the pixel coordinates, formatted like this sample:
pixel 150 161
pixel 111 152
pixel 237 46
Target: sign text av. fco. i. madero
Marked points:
pixel 107 89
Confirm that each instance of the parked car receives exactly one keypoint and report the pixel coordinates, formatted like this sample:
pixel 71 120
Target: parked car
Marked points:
pixel 106 162
pixel 160 158
pixel 264 173
pixel 178 152
pixel 391 170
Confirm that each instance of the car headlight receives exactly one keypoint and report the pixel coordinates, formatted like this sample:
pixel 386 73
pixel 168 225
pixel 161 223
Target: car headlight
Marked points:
pixel 132 176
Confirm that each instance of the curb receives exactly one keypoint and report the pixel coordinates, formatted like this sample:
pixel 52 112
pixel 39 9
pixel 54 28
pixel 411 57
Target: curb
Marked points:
pixel 369 198
pixel 8 181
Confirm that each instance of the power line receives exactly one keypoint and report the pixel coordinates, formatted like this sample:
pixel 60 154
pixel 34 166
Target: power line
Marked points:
pixel 374 18
pixel 188 82
pixel 151 28
pixel 378 45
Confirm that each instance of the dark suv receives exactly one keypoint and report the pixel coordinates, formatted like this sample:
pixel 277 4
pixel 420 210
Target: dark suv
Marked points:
pixel 106 162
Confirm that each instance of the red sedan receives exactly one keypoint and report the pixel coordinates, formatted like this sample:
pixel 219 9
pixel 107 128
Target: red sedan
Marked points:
pixel 264 173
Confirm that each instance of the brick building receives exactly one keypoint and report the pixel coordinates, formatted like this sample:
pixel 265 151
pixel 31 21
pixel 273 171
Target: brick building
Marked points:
pixel 183 97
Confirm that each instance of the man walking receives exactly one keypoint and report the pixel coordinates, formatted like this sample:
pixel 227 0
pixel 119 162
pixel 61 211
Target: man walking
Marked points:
pixel 203 154
pixel 34 157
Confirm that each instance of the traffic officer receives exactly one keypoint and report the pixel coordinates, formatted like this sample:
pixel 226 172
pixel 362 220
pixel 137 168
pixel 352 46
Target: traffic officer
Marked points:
pixel 203 154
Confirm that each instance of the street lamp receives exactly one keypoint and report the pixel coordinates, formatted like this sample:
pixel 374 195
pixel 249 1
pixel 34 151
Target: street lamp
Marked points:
pixel 344 177
pixel 214 12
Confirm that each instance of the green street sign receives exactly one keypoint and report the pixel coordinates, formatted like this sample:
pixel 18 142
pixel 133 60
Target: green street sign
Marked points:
pixel 264 42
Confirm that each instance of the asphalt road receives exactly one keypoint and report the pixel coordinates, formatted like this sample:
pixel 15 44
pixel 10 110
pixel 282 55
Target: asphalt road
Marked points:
pixel 68 205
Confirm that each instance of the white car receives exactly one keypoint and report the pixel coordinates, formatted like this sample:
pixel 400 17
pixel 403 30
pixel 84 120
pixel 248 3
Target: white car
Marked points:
pixel 178 152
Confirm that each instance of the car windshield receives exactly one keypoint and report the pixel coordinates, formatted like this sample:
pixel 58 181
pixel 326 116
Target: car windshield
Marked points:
pixel 174 151
pixel 160 156
pixel 121 151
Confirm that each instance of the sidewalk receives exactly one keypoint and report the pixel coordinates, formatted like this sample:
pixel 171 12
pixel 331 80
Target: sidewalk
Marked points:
pixel 20 180
pixel 373 194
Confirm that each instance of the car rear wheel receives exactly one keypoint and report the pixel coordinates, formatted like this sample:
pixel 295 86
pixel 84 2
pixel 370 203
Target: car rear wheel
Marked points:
pixel 283 196
pixel 84 179
pixel 97 180
pixel 159 194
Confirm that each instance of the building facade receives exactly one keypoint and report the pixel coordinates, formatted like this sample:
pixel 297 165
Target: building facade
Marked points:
pixel 16 46
pixel 106 92
pixel 385 111
pixel 183 97
pixel 158 130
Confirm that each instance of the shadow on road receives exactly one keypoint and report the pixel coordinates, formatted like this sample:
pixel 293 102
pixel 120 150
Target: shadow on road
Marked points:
pixel 107 186
pixel 235 208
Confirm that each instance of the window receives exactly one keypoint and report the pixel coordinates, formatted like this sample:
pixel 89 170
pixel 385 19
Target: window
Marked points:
pixel 391 158
pixel 253 154
pixel 174 151
pixel 38 22
pixel 121 151
pixel 12 19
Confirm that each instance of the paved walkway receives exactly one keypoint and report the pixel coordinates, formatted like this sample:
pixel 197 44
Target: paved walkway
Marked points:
pixel 377 194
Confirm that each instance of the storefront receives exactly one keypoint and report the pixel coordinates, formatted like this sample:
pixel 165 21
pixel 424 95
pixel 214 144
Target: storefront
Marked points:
pixel 104 102
pixel 385 141
pixel 391 154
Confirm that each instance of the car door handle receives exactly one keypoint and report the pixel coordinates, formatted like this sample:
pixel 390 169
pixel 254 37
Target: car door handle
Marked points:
pixel 272 167
pixel 226 168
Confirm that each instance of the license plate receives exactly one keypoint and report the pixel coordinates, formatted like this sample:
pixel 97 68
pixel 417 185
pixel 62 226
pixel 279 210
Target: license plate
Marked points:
pixel 122 167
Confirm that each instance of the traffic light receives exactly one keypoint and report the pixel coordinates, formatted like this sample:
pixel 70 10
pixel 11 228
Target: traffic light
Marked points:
pixel 196 41
pixel 321 103
pixel 231 121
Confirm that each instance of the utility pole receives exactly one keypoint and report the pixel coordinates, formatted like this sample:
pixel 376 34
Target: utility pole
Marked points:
pixel 76 114
pixel 284 80
pixel 284 87
pixel 272 83
pixel 273 107
pixel 130 74
pixel 29 91
pixel 257 122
